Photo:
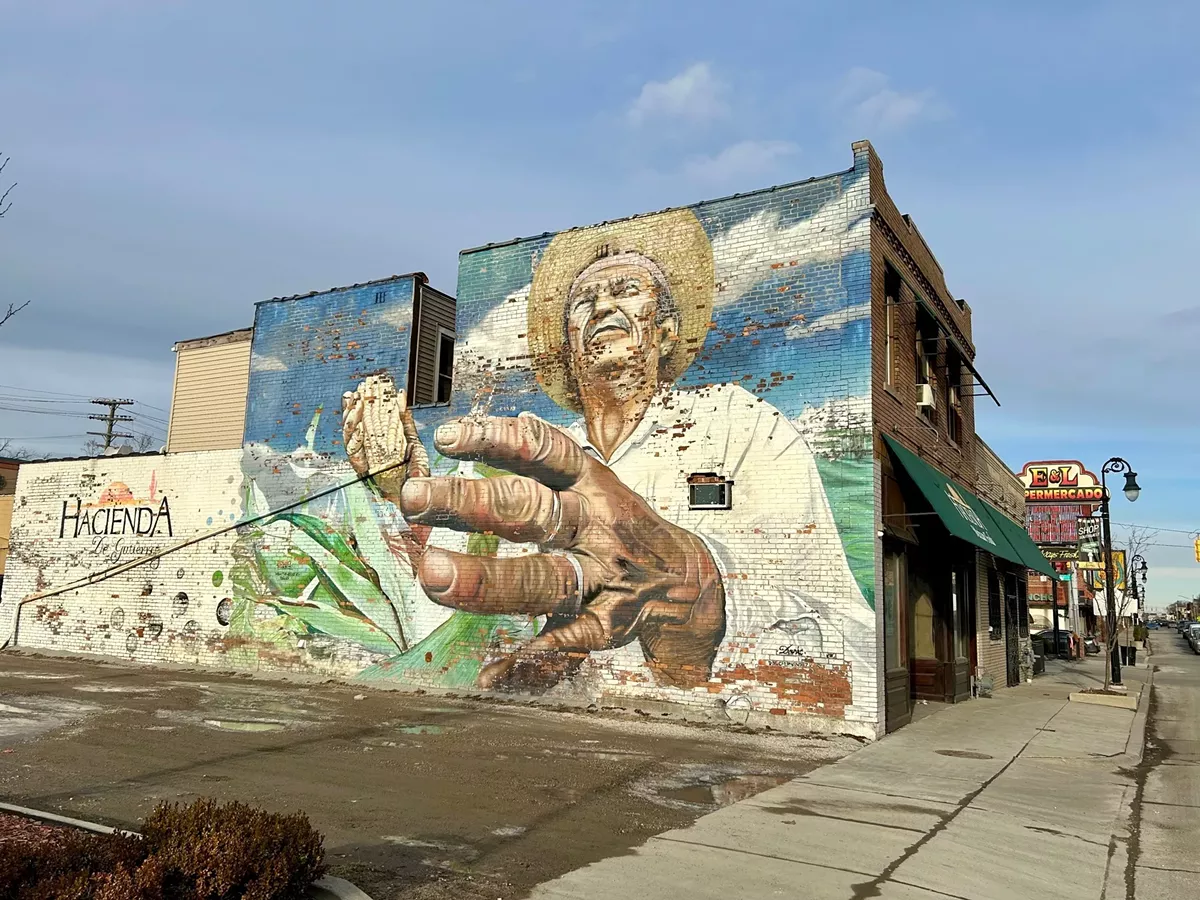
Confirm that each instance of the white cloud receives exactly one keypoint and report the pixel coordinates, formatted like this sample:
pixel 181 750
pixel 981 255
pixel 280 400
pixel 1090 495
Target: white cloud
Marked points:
pixel 740 159
pixel 839 318
pixel 398 315
pixel 695 95
pixel 260 362
pixel 838 426
pixel 866 97
pixel 750 250
pixel 497 342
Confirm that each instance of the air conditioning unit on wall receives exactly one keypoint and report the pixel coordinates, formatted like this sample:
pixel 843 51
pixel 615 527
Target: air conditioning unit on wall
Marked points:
pixel 925 396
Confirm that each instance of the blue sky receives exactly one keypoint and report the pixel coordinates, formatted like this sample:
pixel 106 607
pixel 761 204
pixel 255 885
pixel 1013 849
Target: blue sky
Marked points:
pixel 178 161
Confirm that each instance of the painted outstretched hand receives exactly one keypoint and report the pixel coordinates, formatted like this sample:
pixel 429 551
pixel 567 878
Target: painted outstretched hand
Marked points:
pixel 610 570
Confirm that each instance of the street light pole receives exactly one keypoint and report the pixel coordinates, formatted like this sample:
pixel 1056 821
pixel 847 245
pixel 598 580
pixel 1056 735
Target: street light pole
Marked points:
pixel 1116 464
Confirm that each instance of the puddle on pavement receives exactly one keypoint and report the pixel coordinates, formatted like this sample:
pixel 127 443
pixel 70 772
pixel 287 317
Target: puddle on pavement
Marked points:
pixel 964 754
pixel 707 787
pixel 509 831
pixel 241 725
pixel 113 689
pixel 36 676
pixel 27 717
pixel 425 729
pixel 248 708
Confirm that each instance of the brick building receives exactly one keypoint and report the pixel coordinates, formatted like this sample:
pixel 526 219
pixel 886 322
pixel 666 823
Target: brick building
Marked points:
pixel 718 460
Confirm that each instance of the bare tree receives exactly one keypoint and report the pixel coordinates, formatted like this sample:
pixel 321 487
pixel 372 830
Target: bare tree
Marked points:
pixel 5 203
pixel 5 206
pixel 140 443
pixel 9 451
pixel 1124 603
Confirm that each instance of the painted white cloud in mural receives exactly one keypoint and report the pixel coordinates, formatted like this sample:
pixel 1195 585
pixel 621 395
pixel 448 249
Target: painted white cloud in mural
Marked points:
pixel 694 95
pixel 264 362
pixel 748 252
pixel 398 315
pixel 837 426
pixel 839 318
pixel 495 343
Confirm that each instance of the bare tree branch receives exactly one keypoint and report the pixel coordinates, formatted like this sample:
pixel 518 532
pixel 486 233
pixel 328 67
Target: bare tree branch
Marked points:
pixel 5 203
pixel 8 451
pixel 1139 540
pixel 13 309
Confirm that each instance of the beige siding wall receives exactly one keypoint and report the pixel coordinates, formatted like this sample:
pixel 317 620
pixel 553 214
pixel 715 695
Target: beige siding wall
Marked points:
pixel 7 490
pixel 436 314
pixel 208 407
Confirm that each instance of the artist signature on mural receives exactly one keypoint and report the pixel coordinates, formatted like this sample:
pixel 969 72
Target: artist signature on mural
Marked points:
pixel 791 650
pixel 118 550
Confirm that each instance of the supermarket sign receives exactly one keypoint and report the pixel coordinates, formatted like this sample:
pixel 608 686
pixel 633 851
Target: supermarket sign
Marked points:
pixel 1060 481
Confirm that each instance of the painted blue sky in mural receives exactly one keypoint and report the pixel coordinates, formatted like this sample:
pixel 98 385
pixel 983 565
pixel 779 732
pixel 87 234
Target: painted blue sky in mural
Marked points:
pixel 1035 144
pixel 301 362
pixel 755 318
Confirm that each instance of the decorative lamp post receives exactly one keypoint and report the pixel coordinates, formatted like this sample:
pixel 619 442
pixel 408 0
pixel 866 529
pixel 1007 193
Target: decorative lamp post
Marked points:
pixel 1138 568
pixel 1132 492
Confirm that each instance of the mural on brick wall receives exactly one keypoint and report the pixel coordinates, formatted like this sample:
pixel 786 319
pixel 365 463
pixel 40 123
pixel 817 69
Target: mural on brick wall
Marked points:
pixel 90 519
pixel 540 534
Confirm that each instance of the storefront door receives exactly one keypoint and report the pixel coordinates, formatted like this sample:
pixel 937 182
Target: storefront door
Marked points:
pixel 895 640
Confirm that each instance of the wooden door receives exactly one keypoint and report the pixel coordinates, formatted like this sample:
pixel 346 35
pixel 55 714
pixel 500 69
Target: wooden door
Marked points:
pixel 959 656
pixel 1012 629
pixel 897 689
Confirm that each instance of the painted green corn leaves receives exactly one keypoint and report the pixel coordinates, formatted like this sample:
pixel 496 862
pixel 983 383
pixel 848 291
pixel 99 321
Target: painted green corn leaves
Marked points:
pixel 313 575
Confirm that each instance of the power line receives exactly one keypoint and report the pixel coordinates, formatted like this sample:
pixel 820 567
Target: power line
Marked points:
pixel 14 387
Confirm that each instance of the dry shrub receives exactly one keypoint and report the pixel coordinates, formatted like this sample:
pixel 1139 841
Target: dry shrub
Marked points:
pixel 204 851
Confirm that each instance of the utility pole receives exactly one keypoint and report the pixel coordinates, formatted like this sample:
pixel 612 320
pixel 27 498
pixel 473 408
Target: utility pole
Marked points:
pixel 111 420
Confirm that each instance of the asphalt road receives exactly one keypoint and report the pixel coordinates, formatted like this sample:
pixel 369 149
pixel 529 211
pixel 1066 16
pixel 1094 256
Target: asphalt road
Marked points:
pixel 1165 842
pixel 417 796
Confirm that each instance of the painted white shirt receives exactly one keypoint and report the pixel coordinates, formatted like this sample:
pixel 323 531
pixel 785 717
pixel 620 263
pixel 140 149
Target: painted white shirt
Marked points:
pixel 788 585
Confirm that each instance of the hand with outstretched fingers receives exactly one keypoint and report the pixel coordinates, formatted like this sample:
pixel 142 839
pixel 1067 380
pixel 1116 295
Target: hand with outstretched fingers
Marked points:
pixel 610 570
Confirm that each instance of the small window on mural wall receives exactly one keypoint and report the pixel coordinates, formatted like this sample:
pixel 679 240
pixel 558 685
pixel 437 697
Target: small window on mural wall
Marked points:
pixel 709 491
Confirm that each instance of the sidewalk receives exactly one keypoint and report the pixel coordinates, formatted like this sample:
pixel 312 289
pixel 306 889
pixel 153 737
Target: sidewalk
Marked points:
pixel 1008 797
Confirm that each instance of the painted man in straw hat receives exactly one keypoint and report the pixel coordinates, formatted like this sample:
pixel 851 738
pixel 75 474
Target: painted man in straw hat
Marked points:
pixel 609 550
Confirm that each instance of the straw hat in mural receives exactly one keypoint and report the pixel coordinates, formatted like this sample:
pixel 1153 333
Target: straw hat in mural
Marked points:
pixel 671 246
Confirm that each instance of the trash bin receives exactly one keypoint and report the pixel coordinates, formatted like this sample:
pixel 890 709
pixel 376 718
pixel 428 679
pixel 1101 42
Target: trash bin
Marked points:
pixel 1039 655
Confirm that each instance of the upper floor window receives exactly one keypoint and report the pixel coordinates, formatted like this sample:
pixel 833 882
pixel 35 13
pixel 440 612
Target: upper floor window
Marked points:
pixel 891 291
pixel 445 367
pixel 925 352
pixel 954 422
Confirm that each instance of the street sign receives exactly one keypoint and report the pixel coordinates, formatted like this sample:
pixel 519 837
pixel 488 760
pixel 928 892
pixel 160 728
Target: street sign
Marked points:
pixel 1066 577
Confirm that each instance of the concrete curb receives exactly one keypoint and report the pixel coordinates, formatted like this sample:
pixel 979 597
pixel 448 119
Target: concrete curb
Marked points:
pixel 1136 746
pixel 328 888
pixel 1117 701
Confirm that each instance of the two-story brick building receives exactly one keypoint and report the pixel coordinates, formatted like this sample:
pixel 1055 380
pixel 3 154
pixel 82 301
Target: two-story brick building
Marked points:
pixel 718 460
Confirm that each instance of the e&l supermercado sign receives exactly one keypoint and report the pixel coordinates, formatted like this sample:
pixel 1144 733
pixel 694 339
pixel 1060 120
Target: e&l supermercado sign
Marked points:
pixel 1060 481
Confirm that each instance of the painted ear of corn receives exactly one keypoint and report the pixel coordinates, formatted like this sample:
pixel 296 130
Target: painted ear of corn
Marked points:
pixel 317 575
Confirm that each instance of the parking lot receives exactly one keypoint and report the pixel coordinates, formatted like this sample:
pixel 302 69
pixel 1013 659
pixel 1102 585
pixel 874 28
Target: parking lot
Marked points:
pixel 418 796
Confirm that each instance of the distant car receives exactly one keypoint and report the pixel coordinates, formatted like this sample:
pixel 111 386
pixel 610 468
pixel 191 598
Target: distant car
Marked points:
pixel 1193 636
pixel 1064 641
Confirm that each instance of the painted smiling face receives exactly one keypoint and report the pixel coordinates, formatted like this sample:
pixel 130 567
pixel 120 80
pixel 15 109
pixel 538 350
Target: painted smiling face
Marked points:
pixel 617 320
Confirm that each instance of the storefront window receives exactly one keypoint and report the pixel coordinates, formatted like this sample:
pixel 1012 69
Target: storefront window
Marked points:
pixel 961 604
pixel 892 563
pixel 924 621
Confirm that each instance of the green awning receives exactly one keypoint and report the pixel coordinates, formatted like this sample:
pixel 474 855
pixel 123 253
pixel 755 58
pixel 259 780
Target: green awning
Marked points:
pixel 967 517
pixel 1020 540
